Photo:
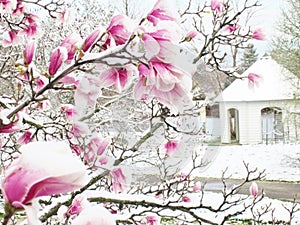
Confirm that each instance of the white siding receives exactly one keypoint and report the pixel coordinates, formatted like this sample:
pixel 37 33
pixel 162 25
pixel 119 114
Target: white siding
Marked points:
pixel 250 122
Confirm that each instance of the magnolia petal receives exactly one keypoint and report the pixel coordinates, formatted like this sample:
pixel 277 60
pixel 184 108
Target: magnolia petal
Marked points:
pixel 151 46
pixel 108 77
pixel 42 168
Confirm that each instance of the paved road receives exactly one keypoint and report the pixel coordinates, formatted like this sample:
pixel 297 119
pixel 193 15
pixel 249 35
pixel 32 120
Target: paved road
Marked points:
pixel 278 190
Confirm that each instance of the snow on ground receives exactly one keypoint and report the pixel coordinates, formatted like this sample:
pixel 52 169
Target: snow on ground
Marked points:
pixel 280 161
pixel 278 210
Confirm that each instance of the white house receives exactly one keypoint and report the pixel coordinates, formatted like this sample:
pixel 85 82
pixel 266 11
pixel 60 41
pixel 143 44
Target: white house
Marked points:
pixel 267 112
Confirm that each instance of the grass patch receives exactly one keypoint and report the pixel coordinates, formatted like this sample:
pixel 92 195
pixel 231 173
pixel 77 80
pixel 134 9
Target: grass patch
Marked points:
pixel 214 141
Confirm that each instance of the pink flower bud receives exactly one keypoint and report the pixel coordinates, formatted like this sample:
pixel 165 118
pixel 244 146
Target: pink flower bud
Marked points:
pixel 40 83
pixel 25 138
pixel 198 186
pixel 11 38
pixel 91 40
pixel 70 44
pixel 231 28
pixel 10 128
pixel 253 189
pixel 186 199
pixel 78 204
pixel 29 52
pixel 192 34
pixel 253 79
pixel 171 147
pixel 152 220
pixel 216 5
pixel 58 56
pixel 258 34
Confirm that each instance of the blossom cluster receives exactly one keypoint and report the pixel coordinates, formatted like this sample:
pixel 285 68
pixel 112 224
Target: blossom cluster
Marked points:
pixel 156 67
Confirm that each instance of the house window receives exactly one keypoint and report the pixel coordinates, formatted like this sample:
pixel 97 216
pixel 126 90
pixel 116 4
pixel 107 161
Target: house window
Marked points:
pixel 272 126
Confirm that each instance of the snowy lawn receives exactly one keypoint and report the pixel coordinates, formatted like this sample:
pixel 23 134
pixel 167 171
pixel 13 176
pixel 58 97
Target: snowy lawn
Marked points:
pixel 281 162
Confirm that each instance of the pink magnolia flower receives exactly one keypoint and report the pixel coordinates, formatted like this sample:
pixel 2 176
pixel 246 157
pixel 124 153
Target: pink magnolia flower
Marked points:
pixel 25 138
pixel 118 180
pixel 253 79
pixel 78 204
pixel 32 28
pixel 119 77
pixel 8 6
pixel 94 215
pixel 168 84
pixel 216 5
pixel 19 10
pixel 163 10
pixel 171 147
pixel 58 57
pixel 161 75
pixel 253 189
pixel 258 34
pixel 52 170
pixel 29 52
pixel 119 31
pixel 152 220
pixel 91 39
pixel 70 44
pixel 87 91
pixel 11 38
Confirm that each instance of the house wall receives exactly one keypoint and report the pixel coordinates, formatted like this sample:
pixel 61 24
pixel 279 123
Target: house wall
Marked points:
pixel 213 126
pixel 250 122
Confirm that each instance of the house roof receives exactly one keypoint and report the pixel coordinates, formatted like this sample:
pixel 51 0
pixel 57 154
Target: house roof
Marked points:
pixel 276 83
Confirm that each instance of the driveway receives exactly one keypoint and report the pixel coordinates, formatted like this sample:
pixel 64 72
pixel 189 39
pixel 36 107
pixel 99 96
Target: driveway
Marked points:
pixel 276 190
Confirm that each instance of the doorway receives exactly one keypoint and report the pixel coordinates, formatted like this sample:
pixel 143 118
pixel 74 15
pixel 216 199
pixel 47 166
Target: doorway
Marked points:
pixel 233 115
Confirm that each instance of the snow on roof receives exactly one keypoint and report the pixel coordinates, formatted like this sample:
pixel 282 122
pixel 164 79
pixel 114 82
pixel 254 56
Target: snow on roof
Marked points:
pixel 277 83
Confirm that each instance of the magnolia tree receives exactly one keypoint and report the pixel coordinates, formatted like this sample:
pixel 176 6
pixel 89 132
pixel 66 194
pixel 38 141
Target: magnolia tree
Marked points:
pixel 100 126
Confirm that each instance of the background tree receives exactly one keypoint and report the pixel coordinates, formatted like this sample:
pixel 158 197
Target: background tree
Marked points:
pixel 286 46
pixel 248 58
